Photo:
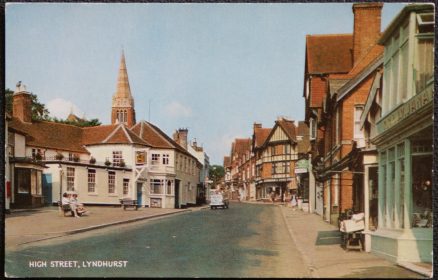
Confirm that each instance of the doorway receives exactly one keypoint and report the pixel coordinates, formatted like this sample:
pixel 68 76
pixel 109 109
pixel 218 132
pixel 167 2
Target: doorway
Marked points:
pixel 139 193
pixel 177 193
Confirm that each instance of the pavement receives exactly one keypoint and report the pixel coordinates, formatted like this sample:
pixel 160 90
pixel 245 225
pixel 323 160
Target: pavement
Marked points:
pixel 28 226
pixel 319 244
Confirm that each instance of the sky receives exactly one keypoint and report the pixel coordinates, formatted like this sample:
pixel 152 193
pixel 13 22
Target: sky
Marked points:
pixel 212 68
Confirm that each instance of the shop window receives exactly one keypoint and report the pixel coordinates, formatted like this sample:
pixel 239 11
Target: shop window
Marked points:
pixel 401 175
pixel 373 197
pixel 22 178
pixel 125 186
pixel 70 179
pixel 422 191
pixel 111 182
pixel 156 186
pixel 91 180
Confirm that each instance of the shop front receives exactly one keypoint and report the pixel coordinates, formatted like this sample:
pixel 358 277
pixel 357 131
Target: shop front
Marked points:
pixel 302 177
pixel 404 231
pixel 27 187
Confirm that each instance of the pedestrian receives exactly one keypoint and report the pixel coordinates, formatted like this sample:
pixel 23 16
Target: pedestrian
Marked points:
pixel 273 196
pixel 293 202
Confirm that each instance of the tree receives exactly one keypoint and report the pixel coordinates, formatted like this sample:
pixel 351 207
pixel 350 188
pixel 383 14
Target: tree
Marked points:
pixel 39 110
pixel 80 123
pixel 41 113
pixel 216 172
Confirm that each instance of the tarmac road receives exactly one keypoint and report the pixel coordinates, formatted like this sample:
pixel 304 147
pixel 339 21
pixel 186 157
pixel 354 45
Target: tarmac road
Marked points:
pixel 246 240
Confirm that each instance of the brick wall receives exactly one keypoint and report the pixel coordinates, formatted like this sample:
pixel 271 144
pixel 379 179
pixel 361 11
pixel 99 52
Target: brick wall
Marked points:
pixel 367 18
pixel 22 107
pixel 318 90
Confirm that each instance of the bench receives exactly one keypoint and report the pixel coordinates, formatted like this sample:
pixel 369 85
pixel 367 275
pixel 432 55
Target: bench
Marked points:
pixel 127 202
pixel 65 208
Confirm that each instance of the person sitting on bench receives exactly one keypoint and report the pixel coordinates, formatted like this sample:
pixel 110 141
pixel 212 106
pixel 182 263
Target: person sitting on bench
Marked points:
pixel 71 204
pixel 78 206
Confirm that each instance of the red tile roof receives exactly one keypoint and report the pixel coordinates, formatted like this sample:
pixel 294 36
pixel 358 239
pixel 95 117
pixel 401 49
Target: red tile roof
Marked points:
pixel 260 135
pixel 242 146
pixel 51 135
pixel 329 53
pixel 288 127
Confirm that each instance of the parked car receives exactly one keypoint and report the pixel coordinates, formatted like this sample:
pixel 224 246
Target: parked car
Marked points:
pixel 217 199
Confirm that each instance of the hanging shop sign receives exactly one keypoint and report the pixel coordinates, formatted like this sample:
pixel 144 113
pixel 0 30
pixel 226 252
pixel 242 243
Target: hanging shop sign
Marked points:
pixel 140 157
pixel 301 166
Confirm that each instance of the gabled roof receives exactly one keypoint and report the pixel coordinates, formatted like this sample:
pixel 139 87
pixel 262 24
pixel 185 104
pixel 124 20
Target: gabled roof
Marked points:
pixel 157 138
pixel 329 53
pixel 260 135
pixel 241 146
pixel 57 136
pixel 287 126
pixel 110 134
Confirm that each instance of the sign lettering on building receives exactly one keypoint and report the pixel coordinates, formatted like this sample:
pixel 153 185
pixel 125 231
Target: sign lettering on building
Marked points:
pixel 410 107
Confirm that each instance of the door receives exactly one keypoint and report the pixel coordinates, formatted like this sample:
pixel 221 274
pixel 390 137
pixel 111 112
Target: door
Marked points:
pixel 139 193
pixel 47 188
pixel 22 184
pixel 177 193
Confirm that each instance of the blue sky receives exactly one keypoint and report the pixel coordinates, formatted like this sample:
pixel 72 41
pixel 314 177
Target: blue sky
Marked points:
pixel 212 68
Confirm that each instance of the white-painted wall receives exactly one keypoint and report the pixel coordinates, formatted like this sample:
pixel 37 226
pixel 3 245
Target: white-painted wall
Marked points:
pixel 20 145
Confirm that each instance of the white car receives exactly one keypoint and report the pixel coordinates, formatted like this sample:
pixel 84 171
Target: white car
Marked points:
pixel 218 200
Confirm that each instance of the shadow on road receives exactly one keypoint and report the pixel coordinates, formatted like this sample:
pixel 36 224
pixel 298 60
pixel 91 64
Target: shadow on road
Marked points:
pixel 330 237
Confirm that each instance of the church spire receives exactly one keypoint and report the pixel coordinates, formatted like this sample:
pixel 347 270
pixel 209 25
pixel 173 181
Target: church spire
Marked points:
pixel 123 103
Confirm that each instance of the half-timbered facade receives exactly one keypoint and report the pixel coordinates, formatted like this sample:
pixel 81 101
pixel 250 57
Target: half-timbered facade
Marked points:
pixel 275 163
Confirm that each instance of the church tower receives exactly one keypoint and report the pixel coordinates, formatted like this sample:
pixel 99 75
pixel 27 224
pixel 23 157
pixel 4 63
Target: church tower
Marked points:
pixel 123 103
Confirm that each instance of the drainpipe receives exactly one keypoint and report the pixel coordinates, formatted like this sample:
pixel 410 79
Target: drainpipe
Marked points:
pixel 60 181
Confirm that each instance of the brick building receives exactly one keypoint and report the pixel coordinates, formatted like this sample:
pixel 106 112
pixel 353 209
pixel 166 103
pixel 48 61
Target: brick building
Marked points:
pixel 335 97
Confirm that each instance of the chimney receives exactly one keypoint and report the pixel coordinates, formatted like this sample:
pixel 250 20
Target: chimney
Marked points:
pixel 257 125
pixel 367 17
pixel 180 137
pixel 22 103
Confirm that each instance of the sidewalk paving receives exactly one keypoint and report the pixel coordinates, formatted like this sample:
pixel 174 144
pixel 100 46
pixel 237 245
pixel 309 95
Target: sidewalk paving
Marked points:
pixel 27 226
pixel 319 243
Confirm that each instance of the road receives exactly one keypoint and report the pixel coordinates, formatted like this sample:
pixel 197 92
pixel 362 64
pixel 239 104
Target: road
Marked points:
pixel 247 240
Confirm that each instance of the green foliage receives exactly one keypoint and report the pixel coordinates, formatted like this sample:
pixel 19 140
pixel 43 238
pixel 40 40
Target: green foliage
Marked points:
pixel 39 110
pixel 80 123
pixel 215 173
pixel 41 113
